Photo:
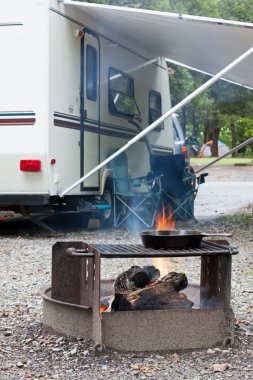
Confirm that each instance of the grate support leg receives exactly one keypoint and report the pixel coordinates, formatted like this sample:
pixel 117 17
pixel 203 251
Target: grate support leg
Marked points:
pixel 215 280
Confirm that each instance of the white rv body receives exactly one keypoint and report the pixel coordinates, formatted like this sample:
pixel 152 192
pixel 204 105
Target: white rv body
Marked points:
pixel 49 113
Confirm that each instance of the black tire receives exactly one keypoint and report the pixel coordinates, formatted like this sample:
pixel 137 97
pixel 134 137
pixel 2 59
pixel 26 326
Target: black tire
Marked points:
pixel 106 217
pixel 191 180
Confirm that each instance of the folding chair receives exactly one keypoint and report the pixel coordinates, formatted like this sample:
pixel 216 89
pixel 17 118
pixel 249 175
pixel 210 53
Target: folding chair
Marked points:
pixel 179 185
pixel 138 197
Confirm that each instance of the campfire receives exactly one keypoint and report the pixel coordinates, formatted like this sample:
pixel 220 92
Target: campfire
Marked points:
pixel 164 220
pixel 142 288
pixel 71 305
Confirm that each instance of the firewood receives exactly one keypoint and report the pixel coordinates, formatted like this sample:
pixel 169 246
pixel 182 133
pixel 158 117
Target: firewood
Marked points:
pixel 178 281
pixel 162 295
pixel 135 278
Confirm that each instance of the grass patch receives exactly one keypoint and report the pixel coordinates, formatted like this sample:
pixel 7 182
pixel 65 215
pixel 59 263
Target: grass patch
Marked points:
pixel 243 218
pixel 224 161
pixel 249 273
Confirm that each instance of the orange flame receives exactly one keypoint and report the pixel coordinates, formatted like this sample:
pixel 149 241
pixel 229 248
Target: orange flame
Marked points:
pixel 151 283
pixel 164 221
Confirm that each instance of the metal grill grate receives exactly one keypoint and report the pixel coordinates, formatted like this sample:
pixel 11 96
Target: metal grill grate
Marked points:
pixel 138 250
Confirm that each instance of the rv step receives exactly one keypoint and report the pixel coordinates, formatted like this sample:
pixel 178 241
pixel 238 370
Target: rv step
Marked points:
pixel 101 207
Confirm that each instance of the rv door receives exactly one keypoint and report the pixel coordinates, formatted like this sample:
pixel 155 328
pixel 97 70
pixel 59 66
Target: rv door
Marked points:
pixel 90 118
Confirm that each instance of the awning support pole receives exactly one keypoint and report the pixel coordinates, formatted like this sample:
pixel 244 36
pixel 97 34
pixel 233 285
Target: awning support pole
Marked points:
pixel 224 155
pixel 160 120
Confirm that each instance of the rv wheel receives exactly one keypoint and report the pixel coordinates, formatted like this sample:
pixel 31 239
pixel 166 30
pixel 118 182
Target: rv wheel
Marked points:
pixel 106 218
pixel 191 180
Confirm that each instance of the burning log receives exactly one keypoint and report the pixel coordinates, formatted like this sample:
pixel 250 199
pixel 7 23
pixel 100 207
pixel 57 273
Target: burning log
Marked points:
pixel 135 278
pixel 178 281
pixel 163 294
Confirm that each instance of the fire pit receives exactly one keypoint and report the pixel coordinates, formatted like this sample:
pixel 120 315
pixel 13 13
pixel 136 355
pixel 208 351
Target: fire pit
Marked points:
pixel 71 306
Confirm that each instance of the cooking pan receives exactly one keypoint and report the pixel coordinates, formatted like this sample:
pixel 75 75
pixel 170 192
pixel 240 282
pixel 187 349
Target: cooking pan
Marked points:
pixel 171 239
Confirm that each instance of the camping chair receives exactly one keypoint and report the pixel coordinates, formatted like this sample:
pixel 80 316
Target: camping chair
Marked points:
pixel 138 197
pixel 179 184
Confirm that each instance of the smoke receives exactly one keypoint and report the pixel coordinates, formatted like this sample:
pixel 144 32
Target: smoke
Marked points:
pixel 140 217
pixel 209 301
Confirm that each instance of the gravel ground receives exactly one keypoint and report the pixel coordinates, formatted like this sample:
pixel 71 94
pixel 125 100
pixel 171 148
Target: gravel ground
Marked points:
pixel 25 353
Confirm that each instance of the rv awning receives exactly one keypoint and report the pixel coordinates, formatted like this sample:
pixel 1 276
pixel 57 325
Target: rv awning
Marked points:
pixel 203 44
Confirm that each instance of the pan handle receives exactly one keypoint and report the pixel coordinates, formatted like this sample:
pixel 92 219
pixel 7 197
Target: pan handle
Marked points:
pixel 216 234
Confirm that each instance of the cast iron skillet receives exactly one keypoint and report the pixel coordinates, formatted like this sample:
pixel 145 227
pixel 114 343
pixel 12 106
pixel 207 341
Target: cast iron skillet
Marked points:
pixel 171 239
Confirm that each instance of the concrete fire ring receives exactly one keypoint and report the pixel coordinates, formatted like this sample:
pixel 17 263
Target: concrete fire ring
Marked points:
pixel 146 330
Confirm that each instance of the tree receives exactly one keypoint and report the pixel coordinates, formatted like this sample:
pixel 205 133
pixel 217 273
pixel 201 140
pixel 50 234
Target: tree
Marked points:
pixel 233 10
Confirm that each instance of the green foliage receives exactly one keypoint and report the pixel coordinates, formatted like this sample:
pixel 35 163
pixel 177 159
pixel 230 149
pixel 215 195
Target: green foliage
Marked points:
pixel 227 9
pixel 236 10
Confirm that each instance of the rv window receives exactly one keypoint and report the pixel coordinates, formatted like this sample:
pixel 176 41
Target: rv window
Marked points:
pixel 91 72
pixel 121 94
pixel 155 108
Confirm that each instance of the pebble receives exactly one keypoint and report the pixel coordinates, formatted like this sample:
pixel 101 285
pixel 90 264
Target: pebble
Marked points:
pixel 210 351
pixel 73 351
pixel 7 333
pixel 66 358
pixel 59 340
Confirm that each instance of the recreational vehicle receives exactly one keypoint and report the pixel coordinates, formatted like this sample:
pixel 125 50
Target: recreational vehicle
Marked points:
pixel 70 98
pixel 80 81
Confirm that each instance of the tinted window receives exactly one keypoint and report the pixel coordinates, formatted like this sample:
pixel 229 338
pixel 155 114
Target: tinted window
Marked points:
pixel 121 94
pixel 155 108
pixel 91 72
